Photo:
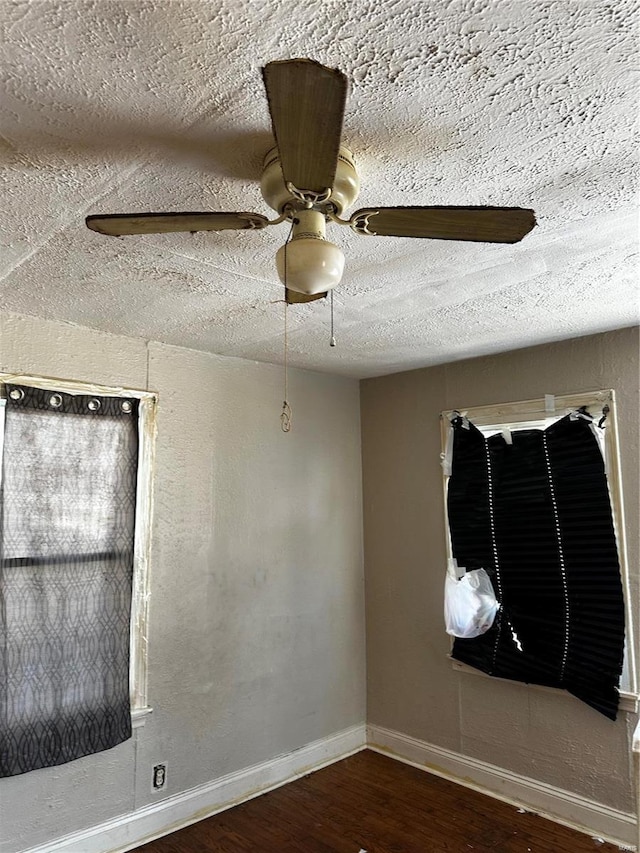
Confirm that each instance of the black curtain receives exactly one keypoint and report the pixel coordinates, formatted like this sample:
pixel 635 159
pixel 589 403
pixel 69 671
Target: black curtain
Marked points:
pixel 536 515
pixel 67 516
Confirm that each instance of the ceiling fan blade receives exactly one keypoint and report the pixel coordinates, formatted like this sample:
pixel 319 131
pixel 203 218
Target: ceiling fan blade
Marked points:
pixel 119 224
pixel 306 102
pixel 292 297
pixel 478 224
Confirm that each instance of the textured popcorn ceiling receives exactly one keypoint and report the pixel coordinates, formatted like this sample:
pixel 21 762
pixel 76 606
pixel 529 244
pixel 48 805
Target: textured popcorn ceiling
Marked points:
pixel 133 105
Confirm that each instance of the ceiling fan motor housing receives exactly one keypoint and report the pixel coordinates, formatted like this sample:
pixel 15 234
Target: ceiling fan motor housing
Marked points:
pixel 346 184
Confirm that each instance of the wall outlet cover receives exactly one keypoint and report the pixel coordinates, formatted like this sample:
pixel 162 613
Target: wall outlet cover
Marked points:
pixel 159 776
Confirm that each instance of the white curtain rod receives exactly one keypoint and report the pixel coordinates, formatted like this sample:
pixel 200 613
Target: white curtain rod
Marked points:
pixel 548 406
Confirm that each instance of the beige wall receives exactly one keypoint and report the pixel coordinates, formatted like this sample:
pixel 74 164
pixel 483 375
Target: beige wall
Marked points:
pixel 256 612
pixel 412 688
pixel 257 624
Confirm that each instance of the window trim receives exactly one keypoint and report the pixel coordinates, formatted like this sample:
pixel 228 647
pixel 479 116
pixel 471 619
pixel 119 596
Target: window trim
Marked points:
pixel 534 414
pixel 147 428
pixel 628 700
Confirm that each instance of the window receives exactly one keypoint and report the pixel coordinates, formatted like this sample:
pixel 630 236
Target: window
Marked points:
pixel 74 541
pixel 528 500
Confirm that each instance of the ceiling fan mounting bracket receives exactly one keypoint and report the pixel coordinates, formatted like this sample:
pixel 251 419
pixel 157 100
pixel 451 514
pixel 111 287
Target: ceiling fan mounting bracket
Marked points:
pixel 253 222
pixel 360 222
pixel 279 195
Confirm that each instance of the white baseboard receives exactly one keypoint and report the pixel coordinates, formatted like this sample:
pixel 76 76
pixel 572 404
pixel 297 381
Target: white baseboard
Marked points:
pixel 135 828
pixel 554 803
pixel 130 830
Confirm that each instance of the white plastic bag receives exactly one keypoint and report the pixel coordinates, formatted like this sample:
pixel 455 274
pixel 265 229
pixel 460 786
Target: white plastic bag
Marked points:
pixel 470 604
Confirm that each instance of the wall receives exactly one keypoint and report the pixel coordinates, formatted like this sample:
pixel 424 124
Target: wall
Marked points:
pixel 545 735
pixel 256 613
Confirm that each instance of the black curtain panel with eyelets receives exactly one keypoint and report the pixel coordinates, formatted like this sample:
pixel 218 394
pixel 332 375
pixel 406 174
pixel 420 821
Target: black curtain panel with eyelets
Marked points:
pixel 533 509
pixel 67 518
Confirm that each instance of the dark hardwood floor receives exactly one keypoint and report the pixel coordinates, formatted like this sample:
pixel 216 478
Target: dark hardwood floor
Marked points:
pixel 372 803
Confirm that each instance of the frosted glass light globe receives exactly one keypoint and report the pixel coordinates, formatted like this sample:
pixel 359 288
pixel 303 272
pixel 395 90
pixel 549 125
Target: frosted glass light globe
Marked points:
pixel 313 265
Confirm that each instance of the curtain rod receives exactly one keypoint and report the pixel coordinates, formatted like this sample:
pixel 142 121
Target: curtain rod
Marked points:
pixel 561 405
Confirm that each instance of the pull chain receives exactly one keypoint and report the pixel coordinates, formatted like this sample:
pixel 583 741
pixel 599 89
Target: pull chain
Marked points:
pixel 332 340
pixel 285 416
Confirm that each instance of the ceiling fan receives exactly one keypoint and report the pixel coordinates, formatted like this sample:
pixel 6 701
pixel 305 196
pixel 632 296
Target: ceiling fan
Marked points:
pixel 309 179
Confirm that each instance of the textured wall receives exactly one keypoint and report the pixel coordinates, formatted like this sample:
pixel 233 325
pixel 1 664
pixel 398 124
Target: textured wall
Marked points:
pixel 412 687
pixel 256 616
pixel 256 620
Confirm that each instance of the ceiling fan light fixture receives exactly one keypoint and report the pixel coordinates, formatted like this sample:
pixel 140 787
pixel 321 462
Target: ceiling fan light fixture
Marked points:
pixel 309 178
pixel 313 265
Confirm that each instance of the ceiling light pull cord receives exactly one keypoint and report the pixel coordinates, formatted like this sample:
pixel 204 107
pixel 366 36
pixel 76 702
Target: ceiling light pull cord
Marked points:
pixel 332 339
pixel 285 415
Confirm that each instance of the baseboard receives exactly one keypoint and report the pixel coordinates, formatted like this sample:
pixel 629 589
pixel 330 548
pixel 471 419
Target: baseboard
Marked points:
pixel 168 815
pixel 554 803
pixel 131 830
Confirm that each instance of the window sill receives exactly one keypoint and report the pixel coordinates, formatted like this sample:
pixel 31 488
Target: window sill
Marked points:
pixel 628 701
pixel 139 716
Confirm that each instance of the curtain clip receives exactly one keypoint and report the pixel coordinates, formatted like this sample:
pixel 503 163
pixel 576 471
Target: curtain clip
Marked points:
pixel 581 413
pixel 460 416
pixel 605 412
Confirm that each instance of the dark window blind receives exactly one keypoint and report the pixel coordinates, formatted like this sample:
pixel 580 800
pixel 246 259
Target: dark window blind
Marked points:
pixel 67 518
pixel 536 515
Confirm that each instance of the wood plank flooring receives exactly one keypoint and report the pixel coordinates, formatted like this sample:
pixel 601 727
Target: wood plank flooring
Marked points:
pixel 372 803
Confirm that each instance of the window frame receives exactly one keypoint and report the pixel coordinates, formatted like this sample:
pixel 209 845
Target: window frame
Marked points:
pixel 147 412
pixel 538 414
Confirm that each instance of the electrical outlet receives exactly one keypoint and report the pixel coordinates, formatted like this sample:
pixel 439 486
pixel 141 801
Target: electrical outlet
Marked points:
pixel 159 777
